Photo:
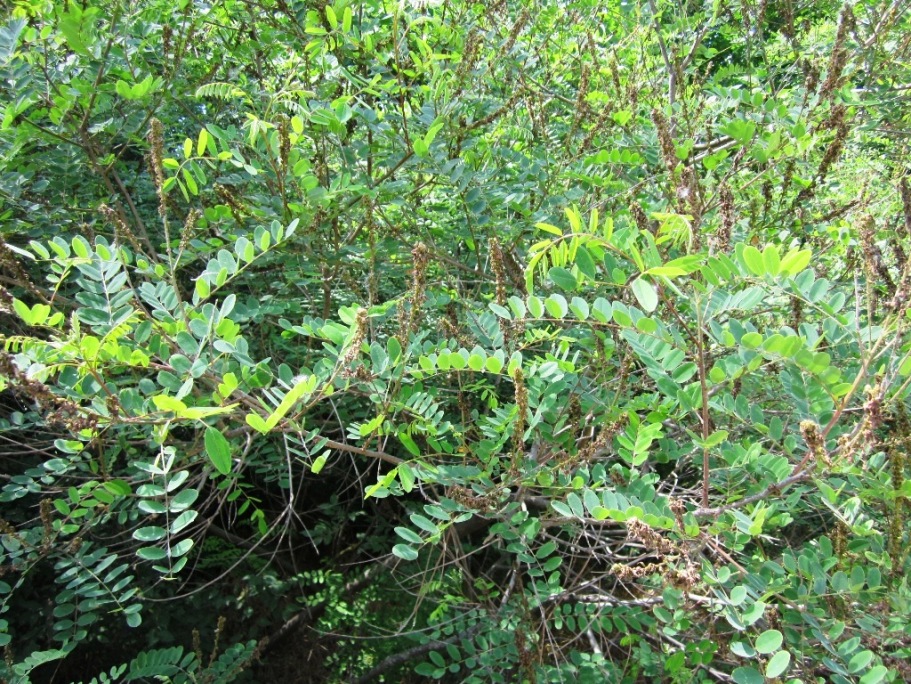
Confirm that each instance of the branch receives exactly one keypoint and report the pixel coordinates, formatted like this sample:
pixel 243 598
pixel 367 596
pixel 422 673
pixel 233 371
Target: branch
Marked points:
pixel 706 512
pixel 410 654
pixel 665 55
pixel 389 458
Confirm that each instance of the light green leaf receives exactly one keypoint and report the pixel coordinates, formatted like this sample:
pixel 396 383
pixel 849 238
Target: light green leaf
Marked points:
pixel 182 521
pixel 493 364
pixel 875 675
pixel 795 261
pixel 556 305
pixel 713 440
pixel 768 641
pixel 751 340
pixel 404 552
pixel 752 257
pixel 150 534
pixel 318 463
pixel 666 271
pixel 778 664
pixel 372 426
pixel 771 260
pixel 580 308
pixel 409 535
pixel 25 313
pixel 255 421
pixel 535 306
pixel 201 142
pixel 515 361
pixel 406 474
pixel 575 220
pixel 645 294
pixel 303 387
pixel 218 449
pixel 547 228
pixel 860 661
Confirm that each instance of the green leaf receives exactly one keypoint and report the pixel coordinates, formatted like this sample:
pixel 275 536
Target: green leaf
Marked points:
pixel 118 487
pixel 768 641
pixel 778 664
pixel 404 552
pixel 645 294
pixel 860 661
pixel 150 534
pixel 182 520
pixel 585 262
pixel 751 340
pixel 181 548
pixel 666 271
pixel 424 523
pixel 875 675
pixel 393 350
pixel 556 305
pixel 25 313
pixel 493 364
pixel 545 550
pixel 747 675
pixel 713 440
pixel 302 388
pixel 547 228
pixel 318 463
pixel 255 421
pixel 500 311
pixel 409 535
pixel 371 426
pixel 740 129
pixel 406 477
pixel 580 308
pixel 562 278
pixel 218 449
pixel 409 443
pixel 752 257
pixel 771 260
pixel 795 261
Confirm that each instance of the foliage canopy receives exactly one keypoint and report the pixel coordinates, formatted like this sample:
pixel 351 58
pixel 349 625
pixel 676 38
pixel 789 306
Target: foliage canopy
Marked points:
pixel 507 342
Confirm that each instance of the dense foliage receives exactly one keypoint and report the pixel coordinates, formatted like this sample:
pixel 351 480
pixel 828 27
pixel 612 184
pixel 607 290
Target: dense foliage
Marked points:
pixel 400 341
